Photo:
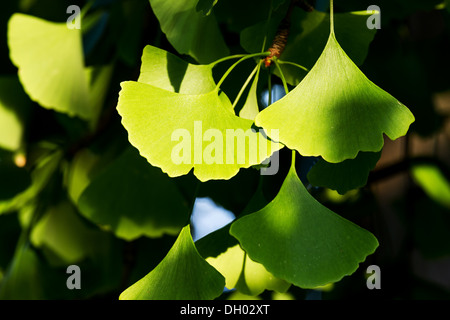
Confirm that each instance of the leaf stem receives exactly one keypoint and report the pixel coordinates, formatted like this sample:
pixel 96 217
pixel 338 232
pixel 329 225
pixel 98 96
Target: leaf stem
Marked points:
pixel 331 17
pixel 283 79
pixel 293 64
pixel 248 56
pixel 267 26
pixel 286 89
pixel 255 70
pixel 227 58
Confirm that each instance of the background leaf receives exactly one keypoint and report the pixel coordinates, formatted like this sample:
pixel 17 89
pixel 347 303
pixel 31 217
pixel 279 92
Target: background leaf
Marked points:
pixel 137 199
pixel 344 176
pixel 189 31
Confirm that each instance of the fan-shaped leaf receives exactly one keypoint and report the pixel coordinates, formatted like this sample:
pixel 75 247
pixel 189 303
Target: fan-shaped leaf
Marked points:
pixel 182 275
pixel 299 240
pixel 51 66
pixel 137 199
pixel 336 112
pixel 156 121
pixel 189 31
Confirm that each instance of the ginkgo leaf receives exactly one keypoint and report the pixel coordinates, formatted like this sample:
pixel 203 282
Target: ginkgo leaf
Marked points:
pixel 166 71
pixel 51 66
pixel 344 176
pixel 244 274
pixel 182 275
pixel 251 106
pixel 299 240
pixel 50 61
pixel 189 31
pixel 137 199
pixel 178 132
pixel 336 111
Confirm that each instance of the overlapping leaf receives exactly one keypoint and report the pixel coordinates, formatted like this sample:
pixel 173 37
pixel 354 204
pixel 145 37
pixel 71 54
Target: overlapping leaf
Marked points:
pixel 137 199
pixel 344 176
pixel 336 112
pixel 182 275
pixel 189 31
pixel 299 240
pixel 177 119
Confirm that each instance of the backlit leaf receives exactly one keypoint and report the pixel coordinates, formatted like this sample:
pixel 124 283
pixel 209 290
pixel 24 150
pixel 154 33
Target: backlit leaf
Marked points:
pixel 178 132
pixel 336 112
pixel 301 241
pixel 182 275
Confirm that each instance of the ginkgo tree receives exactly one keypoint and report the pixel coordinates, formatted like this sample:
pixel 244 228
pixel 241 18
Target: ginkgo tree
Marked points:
pixel 145 122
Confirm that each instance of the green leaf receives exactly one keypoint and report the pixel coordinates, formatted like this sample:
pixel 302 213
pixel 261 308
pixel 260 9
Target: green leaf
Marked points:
pixel 336 112
pixel 64 237
pixel 182 275
pixel 166 71
pixel 134 199
pixel 299 240
pixel 308 36
pixel 14 109
pixel 433 182
pixel 344 176
pixel 189 31
pixel 251 106
pixel 156 121
pixel 51 66
pixel 23 280
pixel 244 274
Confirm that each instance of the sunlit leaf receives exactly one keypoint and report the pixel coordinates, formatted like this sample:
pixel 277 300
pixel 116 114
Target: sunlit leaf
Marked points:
pixel 433 182
pixel 178 132
pixel 189 31
pixel 344 176
pixel 301 241
pixel 51 66
pixel 182 275
pixel 336 112
pixel 251 106
pixel 244 274
pixel 137 199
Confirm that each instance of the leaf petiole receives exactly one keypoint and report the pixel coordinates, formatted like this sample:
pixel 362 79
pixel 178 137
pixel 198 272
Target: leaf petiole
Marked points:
pixel 293 64
pixel 283 79
pixel 246 57
pixel 250 77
